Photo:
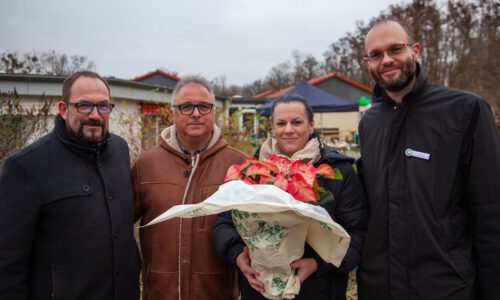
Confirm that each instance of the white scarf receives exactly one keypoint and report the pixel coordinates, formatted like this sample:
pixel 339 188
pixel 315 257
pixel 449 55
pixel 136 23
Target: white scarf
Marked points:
pixel 310 151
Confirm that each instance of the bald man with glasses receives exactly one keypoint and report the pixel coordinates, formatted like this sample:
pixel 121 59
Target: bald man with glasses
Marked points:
pixel 66 206
pixel 430 162
pixel 186 167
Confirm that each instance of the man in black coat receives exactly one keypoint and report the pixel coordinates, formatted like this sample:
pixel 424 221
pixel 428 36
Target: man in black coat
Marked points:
pixel 66 206
pixel 431 168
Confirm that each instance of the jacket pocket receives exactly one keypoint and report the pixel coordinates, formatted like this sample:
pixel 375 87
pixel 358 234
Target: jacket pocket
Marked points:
pixel 61 286
pixel 206 261
pixel 161 285
pixel 214 286
pixel 457 245
pixel 203 223
pixel 73 190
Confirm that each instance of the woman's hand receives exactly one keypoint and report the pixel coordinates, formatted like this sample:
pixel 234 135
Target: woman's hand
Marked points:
pixel 243 262
pixel 305 267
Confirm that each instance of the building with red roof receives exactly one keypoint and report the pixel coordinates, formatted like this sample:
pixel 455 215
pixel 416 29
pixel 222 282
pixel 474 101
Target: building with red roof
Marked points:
pixel 342 124
pixel 333 83
pixel 159 78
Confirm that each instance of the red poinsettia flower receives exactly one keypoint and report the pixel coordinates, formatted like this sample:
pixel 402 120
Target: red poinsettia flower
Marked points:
pixel 281 162
pixel 233 173
pixel 280 181
pixel 247 162
pixel 266 179
pixel 296 177
pixel 257 169
pixel 272 167
pixel 324 171
pixel 299 188
pixel 306 170
pixel 248 180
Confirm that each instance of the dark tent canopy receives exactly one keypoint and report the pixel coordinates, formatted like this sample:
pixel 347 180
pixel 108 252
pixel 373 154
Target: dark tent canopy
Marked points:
pixel 319 100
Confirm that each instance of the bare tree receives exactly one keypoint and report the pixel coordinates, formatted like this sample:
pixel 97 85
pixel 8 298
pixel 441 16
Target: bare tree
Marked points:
pixel 477 31
pixel 50 63
pixel 219 84
pixel 345 55
pixel 20 123
pixel 305 66
pixel 280 76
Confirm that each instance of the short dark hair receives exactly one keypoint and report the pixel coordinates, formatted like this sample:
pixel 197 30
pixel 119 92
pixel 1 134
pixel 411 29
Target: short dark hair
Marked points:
pixel 69 81
pixel 294 98
pixel 193 80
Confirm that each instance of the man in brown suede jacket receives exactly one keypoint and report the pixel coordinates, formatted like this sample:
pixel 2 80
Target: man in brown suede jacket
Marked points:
pixel 188 165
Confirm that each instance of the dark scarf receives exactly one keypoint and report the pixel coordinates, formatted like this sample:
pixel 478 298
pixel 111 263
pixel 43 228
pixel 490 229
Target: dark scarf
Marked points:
pixel 76 144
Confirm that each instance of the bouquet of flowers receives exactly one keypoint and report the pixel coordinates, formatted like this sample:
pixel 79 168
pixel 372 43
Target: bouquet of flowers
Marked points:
pixel 271 209
pixel 297 177
pixel 269 235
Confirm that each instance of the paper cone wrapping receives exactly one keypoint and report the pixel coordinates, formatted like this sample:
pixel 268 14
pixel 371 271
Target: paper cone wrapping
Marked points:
pixel 274 241
pixel 275 227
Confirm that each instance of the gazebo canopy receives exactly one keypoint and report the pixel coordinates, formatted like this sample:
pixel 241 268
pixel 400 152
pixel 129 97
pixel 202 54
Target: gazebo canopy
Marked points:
pixel 319 100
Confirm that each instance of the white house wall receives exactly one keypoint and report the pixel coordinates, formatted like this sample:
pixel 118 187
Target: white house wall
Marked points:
pixel 125 121
pixel 153 95
pixel 32 88
pixel 344 121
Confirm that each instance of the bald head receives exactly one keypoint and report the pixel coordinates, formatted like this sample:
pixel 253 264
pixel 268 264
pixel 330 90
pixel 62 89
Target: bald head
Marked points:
pixel 385 33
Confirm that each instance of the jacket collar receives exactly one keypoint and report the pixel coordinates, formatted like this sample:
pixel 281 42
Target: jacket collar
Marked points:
pixel 379 94
pixel 330 155
pixel 169 141
pixel 76 144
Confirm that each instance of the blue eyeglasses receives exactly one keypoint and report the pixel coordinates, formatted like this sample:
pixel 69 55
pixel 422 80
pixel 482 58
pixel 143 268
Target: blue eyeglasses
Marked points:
pixel 87 108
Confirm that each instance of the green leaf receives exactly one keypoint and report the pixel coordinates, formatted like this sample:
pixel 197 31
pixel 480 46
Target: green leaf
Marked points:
pixel 337 175
pixel 306 160
pixel 324 198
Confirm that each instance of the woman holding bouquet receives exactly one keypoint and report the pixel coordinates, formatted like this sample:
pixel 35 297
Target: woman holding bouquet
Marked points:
pixel 293 136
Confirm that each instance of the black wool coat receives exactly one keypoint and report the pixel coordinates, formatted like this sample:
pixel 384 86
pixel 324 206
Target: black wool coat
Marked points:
pixel 66 221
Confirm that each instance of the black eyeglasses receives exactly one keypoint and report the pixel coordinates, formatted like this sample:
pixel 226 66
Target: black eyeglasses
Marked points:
pixel 87 108
pixel 393 51
pixel 188 108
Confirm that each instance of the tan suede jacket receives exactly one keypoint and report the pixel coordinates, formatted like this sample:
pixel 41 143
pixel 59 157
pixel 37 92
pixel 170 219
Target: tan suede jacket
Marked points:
pixel 160 178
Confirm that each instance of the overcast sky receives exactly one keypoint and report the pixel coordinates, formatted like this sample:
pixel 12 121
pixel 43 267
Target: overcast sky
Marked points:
pixel 241 39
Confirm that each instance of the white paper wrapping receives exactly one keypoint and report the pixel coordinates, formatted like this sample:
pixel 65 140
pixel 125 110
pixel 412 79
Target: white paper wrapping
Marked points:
pixel 275 227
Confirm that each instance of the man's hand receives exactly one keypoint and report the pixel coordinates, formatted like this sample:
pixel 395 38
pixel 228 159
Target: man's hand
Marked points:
pixel 305 267
pixel 243 262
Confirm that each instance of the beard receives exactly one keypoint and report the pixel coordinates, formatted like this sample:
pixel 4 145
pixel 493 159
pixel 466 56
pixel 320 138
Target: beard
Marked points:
pixel 92 138
pixel 408 71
